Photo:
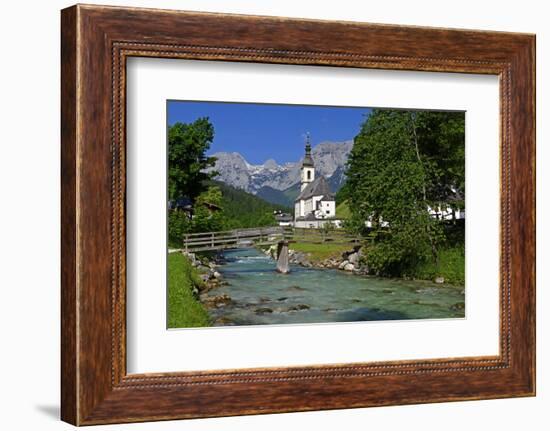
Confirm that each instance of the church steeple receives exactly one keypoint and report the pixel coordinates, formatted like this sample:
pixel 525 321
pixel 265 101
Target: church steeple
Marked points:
pixel 308 169
pixel 308 160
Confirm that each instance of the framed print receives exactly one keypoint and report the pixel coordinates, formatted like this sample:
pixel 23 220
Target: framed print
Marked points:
pixel 265 215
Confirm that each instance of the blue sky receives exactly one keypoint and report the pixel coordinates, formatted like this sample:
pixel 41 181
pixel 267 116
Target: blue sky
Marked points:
pixel 264 131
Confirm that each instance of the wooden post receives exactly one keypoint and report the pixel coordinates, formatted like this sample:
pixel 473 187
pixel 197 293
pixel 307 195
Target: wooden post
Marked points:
pixel 186 241
pixel 212 239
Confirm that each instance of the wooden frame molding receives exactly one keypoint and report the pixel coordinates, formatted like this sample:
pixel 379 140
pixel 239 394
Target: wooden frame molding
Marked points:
pixel 95 43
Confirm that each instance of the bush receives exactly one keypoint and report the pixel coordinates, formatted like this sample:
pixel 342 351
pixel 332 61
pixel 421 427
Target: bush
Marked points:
pixel 450 265
pixel 397 250
pixel 178 225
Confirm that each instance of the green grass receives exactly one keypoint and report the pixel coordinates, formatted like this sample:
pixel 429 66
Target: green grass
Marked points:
pixel 343 211
pixel 184 310
pixel 318 252
pixel 450 266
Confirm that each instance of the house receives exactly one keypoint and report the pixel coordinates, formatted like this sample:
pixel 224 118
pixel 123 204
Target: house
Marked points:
pixel 315 206
pixel 186 205
pixel 284 219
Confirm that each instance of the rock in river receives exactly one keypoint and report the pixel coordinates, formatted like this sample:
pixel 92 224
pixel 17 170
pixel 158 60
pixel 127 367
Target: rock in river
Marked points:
pixel 299 307
pixel 216 301
pixel 263 310
pixel 349 267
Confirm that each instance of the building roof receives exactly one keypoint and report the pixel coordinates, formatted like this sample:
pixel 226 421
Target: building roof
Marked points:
pixel 180 204
pixel 283 217
pixel 308 161
pixel 318 187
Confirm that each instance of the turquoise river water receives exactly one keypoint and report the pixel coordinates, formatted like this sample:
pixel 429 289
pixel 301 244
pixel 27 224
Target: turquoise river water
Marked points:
pixel 260 295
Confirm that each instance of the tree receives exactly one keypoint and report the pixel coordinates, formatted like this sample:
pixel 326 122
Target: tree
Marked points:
pixel 208 216
pixel 439 138
pixel 402 163
pixel 187 162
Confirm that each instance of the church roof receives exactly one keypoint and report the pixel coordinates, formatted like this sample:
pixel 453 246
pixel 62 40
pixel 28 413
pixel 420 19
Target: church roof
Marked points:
pixel 318 187
pixel 308 161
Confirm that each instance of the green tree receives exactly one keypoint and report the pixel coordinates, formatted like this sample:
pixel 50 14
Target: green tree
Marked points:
pixel 179 223
pixel 402 163
pixel 208 215
pixel 439 141
pixel 187 160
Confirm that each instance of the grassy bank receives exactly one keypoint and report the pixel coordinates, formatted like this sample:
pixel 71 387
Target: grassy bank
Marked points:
pixel 450 266
pixel 319 252
pixel 184 310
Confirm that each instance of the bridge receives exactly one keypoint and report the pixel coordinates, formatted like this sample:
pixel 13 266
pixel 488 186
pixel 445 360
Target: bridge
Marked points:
pixel 280 235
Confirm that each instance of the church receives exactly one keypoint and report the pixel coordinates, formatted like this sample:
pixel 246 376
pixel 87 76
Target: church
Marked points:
pixel 315 205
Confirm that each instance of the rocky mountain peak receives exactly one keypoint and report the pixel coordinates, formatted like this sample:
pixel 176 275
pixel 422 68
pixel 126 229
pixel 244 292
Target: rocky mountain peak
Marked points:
pixel 270 164
pixel 329 159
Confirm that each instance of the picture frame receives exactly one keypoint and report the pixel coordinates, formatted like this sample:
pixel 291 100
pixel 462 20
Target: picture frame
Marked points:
pixel 96 41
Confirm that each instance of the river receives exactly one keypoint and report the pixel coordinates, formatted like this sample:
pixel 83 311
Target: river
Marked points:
pixel 260 295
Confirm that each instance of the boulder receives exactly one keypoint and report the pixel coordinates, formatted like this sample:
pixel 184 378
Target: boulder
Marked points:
pixel 459 306
pixel 299 307
pixel 439 280
pixel 263 310
pixel 223 321
pixel 354 258
pixel 189 255
pixel 299 258
pixel 343 264
pixel 216 301
pixel 349 267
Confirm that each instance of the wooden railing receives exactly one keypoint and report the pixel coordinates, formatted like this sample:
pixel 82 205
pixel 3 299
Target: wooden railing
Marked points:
pixel 232 238
pixel 241 238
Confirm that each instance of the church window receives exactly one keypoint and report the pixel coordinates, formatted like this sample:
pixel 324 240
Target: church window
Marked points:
pixel 309 175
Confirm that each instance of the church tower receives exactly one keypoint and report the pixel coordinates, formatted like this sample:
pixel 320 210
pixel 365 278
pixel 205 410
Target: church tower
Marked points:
pixel 308 170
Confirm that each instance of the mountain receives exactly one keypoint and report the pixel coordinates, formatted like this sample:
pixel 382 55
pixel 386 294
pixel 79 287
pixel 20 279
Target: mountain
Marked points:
pixel 281 197
pixel 275 196
pixel 243 209
pixel 280 183
pixel 337 179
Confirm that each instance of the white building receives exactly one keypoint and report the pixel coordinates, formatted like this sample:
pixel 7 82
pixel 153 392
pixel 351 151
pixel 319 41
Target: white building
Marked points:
pixel 315 205
pixel 446 213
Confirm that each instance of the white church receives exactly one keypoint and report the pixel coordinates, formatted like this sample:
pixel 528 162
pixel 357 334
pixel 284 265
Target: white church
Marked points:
pixel 315 205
